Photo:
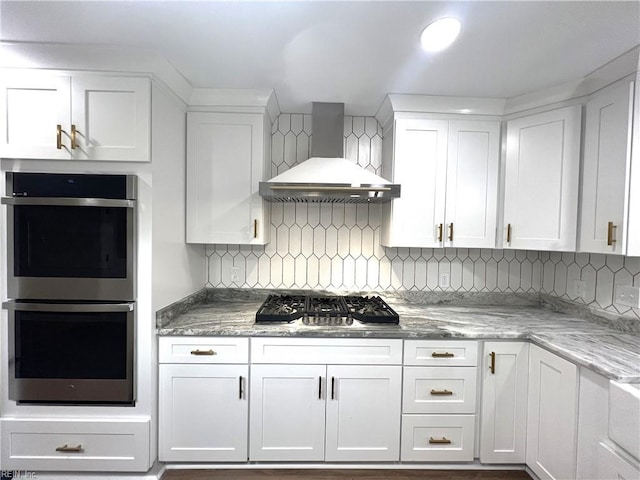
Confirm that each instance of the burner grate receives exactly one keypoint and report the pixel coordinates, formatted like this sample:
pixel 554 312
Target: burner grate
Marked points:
pixel 325 310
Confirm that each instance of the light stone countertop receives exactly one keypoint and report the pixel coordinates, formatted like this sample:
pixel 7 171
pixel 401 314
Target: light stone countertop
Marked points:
pixel 586 342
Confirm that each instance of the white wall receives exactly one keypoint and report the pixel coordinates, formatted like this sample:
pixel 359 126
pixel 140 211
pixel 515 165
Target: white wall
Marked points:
pixel 337 247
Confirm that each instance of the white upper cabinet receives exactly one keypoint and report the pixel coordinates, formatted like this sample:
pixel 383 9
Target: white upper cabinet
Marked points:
pixel 448 170
pixel 227 157
pixel 633 233
pixel 541 180
pixel 77 117
pixel 606 169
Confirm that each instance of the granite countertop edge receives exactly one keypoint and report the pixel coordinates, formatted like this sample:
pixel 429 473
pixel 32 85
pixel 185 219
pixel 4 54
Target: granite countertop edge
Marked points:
pixel 603 345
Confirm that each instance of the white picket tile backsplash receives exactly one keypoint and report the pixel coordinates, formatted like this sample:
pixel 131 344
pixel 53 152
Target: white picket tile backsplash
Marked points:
pixel 337 247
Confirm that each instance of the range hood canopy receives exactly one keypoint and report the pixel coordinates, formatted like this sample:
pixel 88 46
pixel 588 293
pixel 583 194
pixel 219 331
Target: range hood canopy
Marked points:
pixel 327 177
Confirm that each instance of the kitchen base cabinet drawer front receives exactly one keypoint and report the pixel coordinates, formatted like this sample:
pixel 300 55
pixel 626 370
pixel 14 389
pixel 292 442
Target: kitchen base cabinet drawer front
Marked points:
pixel 58 445
pixel 437 438
pixel 461 353
pixel 612 466
pixel 203 350
pixel 326 351
pixel 439 390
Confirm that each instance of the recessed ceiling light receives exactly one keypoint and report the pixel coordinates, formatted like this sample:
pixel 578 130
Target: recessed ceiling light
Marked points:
pixel 440 34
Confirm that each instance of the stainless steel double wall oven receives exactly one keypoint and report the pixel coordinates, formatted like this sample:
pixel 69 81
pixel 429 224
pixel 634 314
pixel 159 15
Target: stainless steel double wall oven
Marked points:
pixel 71 268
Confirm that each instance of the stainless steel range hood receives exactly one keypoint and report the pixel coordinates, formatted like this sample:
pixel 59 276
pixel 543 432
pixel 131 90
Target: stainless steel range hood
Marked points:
pixel 327 177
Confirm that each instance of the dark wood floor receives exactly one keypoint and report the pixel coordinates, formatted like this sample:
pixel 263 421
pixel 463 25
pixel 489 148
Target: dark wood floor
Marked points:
pixel 292 474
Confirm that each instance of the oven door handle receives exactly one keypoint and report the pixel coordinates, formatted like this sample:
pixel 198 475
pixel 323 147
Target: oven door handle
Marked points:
pixel 68 202
pixel 68 307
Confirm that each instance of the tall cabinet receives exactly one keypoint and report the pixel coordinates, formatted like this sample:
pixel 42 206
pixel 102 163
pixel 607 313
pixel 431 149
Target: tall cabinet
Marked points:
pixel 541 180
pixel 448 170
pixel 606 171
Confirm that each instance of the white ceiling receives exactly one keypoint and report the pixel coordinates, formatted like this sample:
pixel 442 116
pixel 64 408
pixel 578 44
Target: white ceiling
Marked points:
pixel 351 52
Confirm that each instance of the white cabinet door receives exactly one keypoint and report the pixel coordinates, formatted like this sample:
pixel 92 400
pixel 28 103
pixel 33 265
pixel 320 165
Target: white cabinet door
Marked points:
pixel 363 413
pixel 551 416
pixel 287 413
pixel 419 164
pixel 225 163
pixel 606 169
pixel 32 107
pixel 541 180
pixel 633 234
pixel 505 373
pixel 472 184
pixel 111 117
pixel 203 413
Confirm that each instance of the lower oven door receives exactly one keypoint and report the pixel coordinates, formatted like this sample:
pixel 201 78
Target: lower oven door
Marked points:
pixel 80 353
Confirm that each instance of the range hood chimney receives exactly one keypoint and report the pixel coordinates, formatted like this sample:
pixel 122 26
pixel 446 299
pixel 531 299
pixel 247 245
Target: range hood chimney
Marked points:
pixel 327 177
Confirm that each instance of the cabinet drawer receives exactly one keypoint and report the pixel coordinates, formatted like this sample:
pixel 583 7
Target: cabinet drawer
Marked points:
pixel 437 438
pixel 611 465
pixel 75 445
pixel 203 350
pixel 624 416
pixel 326 351
pixel 459 353
pixel 439 390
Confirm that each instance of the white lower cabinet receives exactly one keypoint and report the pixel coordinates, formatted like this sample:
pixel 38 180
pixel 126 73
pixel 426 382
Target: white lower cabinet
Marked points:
pixel 551 416
pixel 437 438
pixel 72 445
pixel 203 407
pixel 287 412
pixel 439 400
pixel 203 413
pixel 613 466
pixel 503 418
pixel 319 411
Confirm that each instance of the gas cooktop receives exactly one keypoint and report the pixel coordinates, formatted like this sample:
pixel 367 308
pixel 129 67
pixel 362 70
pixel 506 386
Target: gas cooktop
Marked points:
pixel 325 310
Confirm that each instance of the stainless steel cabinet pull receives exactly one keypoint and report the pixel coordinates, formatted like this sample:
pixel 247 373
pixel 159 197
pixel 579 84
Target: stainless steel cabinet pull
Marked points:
pixel 202 352
pixel 492 367
pixel 508 233
pixel 333 388
pixel 240 392
pixel 440 227
pixel 451 232
pixel 611 237
pixel 442 440
pixel 442 355
pixel 67 449
pixel 320 388
pixel 441 392
pixel 59 137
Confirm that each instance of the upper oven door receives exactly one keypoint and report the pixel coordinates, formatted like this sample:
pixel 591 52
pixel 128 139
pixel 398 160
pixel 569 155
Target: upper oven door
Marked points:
pixel 70 248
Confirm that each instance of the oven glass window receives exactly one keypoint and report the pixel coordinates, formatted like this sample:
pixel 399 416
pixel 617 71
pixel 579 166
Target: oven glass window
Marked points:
pixel 71 345
pixel 80 242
